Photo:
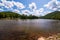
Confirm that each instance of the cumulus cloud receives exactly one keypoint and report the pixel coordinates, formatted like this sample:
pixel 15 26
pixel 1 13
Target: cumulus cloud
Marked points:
pixel 26 12
pixel 19 5
pixel 10 4
pixel 16 11
pixel 34 9
pixel 58 4
pixel 41 10
pixel 3 0
pixel 7 4
pixel 46 12
pixel 1 9
pixel 37 12
pixel 32 6
pixel 1 4
pixel 54 0
pixel 53 5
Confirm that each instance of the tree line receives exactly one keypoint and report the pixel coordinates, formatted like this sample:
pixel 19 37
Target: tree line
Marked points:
pixel 52 15
pixel 12 15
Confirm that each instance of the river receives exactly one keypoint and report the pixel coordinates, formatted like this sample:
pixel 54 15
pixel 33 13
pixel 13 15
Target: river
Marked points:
pixel 32 26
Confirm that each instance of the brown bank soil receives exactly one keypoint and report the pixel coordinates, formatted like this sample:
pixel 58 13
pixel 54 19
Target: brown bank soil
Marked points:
pixel 20 35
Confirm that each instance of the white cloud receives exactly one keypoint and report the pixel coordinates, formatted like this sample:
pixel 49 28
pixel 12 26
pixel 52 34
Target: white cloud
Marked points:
pixel 16 11
pixel 38 12
pixel 26 12
pixel 32 6
pixel 54 9
pixel 58 10
pixel 1 9
pixel 53 5
pixel 58 4
pixel 41 10
pixel 45 12
pixel 10 4
pixel 54 0
pixel 1 4
pixel 7 4
pixel 35 12
pixel 34 9
pixel 19 5
pixel 3 0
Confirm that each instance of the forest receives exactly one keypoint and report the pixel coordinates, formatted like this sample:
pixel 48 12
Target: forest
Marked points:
pixel 13 15
pixel 52 15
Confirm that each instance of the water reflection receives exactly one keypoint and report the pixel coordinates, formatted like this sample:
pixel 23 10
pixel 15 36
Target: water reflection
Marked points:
pixel 40 24
pixel 28 29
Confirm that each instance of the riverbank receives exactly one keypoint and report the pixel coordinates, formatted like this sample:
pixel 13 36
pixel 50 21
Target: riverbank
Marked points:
pixel 16 35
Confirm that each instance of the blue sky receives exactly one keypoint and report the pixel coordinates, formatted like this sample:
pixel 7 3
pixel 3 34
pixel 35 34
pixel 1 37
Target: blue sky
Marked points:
pixel 27 7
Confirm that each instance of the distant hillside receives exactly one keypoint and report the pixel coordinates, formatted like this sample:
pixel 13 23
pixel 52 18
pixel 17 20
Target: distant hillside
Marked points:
pixel 8 14
pixel 12 15
pixel 53 15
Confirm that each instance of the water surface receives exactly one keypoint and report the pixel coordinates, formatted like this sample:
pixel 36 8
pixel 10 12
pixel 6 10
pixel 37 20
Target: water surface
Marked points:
pixel 27 29
pixel 34 24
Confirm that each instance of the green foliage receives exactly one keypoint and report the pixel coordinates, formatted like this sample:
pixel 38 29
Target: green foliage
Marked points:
pixel 53 15
pixel 32 17
pixel 12 15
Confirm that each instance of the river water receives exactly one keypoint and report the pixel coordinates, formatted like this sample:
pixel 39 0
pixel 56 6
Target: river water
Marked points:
pixel 43 26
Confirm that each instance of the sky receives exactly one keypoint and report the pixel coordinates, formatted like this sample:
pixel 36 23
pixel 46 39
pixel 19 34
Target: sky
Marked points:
pixel 27 7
